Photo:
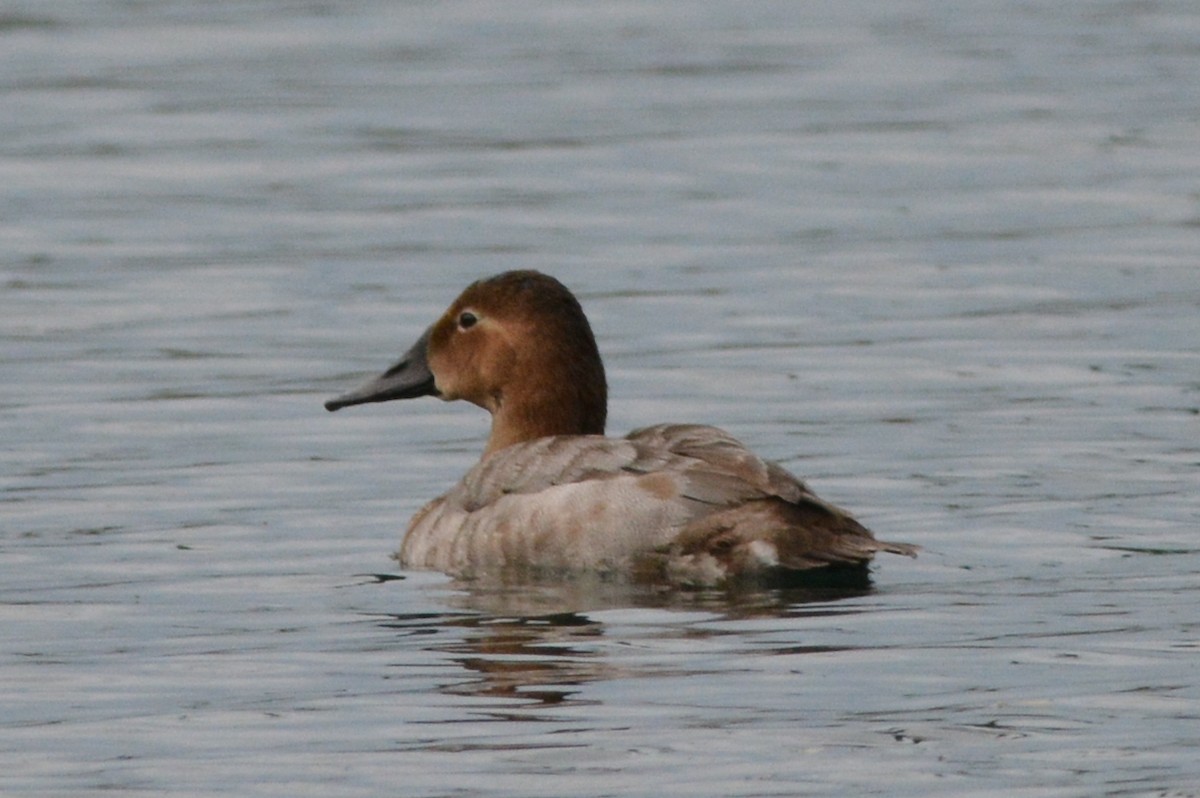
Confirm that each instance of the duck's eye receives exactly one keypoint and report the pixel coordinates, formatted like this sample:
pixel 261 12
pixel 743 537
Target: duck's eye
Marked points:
pixel 466 320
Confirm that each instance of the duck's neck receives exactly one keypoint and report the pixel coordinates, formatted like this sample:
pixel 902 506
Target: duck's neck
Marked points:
pixel 573 406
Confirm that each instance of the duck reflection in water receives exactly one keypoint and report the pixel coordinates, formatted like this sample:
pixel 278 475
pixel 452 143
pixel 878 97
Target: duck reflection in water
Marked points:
pixel 515 643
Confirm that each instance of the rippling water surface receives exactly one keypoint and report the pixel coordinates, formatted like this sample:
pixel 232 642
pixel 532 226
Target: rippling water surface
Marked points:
pixel 942 259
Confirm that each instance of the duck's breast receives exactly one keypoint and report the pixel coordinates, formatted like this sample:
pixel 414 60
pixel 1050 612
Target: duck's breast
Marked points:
pixel 595 525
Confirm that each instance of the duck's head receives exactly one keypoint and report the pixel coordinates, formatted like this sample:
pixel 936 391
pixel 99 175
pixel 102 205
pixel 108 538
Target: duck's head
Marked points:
pixel 519 346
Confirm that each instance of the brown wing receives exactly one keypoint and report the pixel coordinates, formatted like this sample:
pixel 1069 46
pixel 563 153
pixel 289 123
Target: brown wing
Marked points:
pixel 759 515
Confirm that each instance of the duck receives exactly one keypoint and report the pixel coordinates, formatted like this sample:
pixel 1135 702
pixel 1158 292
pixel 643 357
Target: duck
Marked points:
pixel 553 495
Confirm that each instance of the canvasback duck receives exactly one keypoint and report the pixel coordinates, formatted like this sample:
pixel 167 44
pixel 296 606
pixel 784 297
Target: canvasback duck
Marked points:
pixel 679 503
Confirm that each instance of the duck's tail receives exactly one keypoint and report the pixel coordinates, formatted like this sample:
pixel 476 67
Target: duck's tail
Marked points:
pixel 771 535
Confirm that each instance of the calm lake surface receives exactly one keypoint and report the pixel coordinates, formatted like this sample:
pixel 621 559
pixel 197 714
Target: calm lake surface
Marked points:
pixel 941 259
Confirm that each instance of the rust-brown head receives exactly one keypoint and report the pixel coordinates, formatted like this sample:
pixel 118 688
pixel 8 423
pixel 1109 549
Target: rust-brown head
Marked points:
pixel 519 346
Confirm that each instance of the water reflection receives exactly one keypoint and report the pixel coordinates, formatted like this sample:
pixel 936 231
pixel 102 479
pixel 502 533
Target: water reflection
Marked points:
pixel 518 642
pixel 519 595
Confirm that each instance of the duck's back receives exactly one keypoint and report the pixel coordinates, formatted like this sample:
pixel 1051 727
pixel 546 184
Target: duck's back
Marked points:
pixel 686 503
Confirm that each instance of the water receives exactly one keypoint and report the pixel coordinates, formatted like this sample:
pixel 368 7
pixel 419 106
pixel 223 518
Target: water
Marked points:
pixel 939 258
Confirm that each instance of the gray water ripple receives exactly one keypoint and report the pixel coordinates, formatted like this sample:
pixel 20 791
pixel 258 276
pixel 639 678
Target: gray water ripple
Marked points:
pixel 938 258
